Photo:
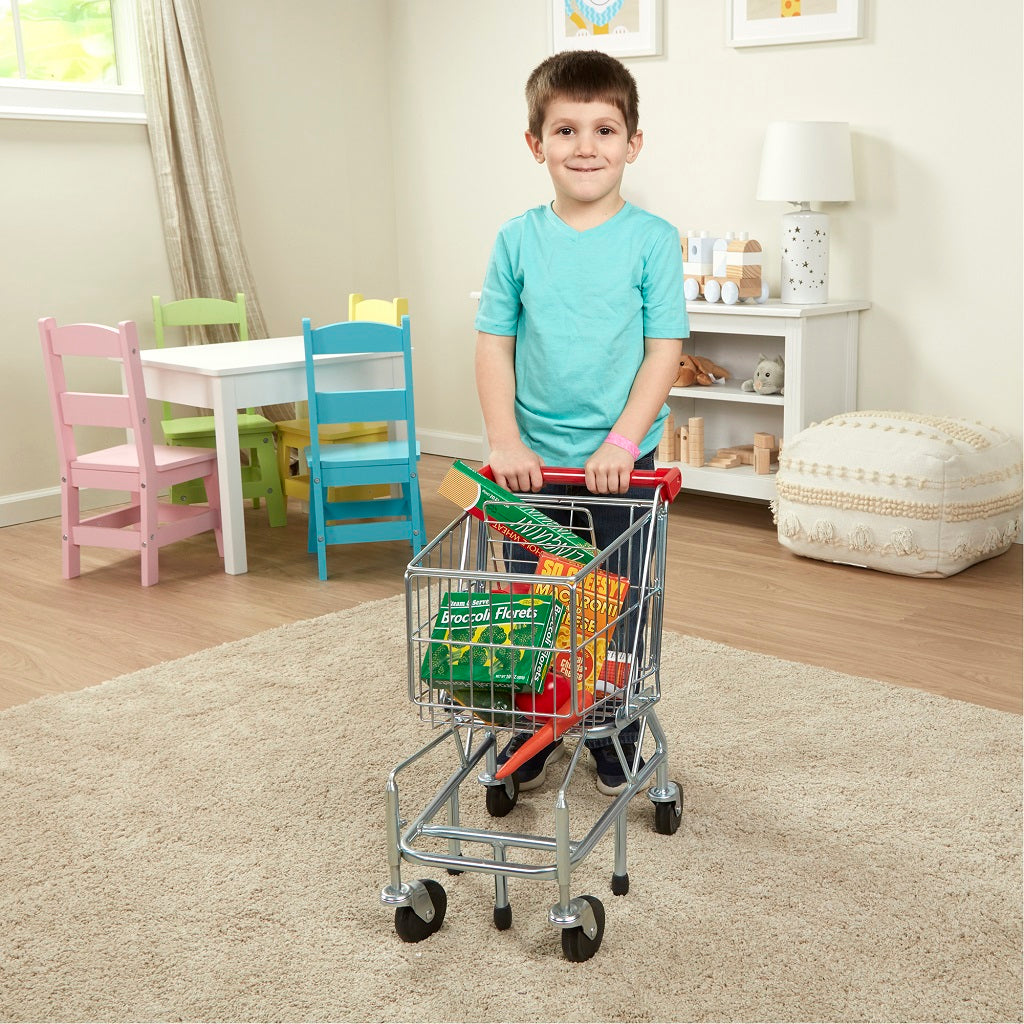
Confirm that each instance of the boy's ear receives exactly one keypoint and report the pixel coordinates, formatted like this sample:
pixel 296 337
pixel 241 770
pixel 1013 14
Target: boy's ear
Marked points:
pixel 536 147
pixel 635 145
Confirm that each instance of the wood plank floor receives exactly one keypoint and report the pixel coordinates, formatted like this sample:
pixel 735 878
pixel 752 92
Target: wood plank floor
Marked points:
pixel 728 580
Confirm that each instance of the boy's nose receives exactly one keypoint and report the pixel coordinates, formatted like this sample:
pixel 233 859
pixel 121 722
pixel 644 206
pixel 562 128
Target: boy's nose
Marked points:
pixel 585 144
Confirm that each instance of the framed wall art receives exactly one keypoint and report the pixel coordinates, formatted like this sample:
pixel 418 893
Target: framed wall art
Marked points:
pixel 623 28
pixel 771 22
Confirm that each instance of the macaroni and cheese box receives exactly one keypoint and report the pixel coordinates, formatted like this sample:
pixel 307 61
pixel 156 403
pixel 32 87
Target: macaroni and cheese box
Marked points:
pixel 599 597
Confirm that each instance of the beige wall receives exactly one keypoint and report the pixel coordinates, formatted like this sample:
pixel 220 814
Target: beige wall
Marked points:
pixel 377 148
pixel 80 239
pixel 933 239
pixel 304 98
pixel 304 94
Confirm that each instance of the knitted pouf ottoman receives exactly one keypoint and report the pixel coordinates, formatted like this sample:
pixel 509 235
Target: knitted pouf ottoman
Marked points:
pixel 909 494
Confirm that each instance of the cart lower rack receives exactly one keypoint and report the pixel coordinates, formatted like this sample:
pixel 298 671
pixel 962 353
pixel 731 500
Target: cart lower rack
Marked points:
pixel 502 642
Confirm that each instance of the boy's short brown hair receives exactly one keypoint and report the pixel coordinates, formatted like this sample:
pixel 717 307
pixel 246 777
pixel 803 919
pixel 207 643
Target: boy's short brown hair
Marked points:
pixel 581 76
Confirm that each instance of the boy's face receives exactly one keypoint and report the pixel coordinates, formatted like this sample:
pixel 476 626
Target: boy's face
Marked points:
pixel 586 149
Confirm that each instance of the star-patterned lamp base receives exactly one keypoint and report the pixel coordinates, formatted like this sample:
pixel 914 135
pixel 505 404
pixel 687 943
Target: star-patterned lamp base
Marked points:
pixel 804 257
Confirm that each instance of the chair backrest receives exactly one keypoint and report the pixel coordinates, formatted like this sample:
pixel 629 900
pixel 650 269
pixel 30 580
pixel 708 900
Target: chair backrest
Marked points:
pixel 125 409
pixel 352 337
pixel 199 313
pixel 383 311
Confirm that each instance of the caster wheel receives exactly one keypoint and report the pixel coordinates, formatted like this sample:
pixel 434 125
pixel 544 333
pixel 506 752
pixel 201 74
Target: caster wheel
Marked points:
pixel 620 885
pixel 500 801
pixel 668 815
pixel 576 944
pixel 410 926
pixel 503 918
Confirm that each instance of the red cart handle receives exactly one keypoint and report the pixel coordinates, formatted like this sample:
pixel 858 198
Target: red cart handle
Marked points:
pixel 670 480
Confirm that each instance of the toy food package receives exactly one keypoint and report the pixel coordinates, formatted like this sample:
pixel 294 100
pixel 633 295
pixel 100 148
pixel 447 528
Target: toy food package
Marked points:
pixel 496 640
pixel 520 522
pixel 490 706
pixel 599 598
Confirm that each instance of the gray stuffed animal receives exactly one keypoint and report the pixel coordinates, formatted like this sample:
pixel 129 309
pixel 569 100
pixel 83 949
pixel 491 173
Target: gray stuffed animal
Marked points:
pixel 769 377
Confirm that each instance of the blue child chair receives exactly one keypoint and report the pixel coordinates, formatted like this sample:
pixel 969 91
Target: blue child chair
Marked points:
pixel 375 462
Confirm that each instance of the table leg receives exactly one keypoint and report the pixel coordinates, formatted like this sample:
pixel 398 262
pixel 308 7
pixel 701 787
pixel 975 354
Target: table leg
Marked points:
pixel 229 467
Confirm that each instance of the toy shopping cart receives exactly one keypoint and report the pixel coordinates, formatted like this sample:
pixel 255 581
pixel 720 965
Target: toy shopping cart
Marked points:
pixel 504 640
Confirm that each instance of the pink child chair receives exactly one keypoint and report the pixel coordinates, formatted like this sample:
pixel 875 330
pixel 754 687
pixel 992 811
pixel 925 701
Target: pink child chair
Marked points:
pixel 138 467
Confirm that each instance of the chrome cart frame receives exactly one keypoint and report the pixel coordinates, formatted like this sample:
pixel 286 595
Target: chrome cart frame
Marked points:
pixel 618 687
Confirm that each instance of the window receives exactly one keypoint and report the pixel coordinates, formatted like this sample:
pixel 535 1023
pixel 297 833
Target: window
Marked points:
pixel 70 60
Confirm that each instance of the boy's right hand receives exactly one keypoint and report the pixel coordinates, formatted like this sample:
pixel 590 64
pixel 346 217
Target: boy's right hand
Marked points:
pixel 517 468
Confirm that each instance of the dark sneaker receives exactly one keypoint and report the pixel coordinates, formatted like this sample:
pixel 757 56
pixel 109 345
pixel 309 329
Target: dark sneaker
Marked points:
pixel 611 779
pixel 531 773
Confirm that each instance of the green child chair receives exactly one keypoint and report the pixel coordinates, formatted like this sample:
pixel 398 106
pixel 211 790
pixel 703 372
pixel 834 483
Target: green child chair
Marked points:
pixel 256 434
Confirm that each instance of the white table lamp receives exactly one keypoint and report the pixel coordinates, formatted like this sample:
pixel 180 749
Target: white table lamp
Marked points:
pixel 805 162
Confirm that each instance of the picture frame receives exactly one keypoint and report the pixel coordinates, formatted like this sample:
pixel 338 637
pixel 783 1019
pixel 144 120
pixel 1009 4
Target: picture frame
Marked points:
pixel 624 28
pixel 756 23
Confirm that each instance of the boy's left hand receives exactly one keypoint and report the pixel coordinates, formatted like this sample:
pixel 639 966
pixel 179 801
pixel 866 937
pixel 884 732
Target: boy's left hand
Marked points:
pixel 608 470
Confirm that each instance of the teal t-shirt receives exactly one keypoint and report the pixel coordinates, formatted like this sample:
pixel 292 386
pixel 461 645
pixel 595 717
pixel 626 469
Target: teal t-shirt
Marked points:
pixel 579 304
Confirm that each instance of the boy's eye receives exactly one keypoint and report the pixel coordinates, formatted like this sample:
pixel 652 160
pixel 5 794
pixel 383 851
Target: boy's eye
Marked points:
pixel 565 131
pixel 605 131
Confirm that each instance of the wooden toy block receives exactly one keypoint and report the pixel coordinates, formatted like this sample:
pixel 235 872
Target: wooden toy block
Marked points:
pixel 719 256
pixel 744 452
pixel 764 440
pixel 682 441
pixel 725 462
pixel 667 451
pixel 762 460
pixel 695 441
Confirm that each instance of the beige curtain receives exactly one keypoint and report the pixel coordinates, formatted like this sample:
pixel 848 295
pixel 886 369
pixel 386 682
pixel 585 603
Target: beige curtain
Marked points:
pixel 197 199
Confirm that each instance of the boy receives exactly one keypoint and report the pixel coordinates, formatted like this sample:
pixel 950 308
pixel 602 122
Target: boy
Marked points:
pixel 581 320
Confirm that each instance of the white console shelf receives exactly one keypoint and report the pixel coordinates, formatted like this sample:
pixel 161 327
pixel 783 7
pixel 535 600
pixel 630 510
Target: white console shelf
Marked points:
pixel 819 345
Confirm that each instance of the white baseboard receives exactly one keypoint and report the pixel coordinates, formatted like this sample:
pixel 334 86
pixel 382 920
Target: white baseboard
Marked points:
pixel 451 446
pixel 30 506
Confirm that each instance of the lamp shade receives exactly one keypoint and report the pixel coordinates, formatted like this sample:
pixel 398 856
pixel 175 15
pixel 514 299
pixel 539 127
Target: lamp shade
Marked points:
pixel 806 161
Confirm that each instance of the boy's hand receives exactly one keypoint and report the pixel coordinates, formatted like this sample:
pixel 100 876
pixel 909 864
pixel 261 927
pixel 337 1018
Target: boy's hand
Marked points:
pixel 608 470
pixel 517 468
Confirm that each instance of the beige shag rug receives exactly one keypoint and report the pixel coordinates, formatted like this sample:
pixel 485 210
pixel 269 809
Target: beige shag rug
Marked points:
pixel 204 841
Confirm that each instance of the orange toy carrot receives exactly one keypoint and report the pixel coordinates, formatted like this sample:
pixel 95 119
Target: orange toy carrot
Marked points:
pixel 547 733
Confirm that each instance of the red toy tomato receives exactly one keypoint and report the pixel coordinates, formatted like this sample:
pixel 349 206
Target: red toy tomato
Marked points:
pixel 557 690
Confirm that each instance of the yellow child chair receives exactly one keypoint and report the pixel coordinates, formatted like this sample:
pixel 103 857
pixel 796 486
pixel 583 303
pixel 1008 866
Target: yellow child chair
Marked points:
pixel 256 434
pixel 293 436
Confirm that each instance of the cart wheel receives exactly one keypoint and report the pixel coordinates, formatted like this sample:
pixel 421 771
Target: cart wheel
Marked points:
pixel 503 917
pixel 668 815
pixel 576 945
pixel 499 800
pixel 410 926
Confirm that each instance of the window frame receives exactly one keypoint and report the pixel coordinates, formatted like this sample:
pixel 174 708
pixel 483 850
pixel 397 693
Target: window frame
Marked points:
pixel 68 101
